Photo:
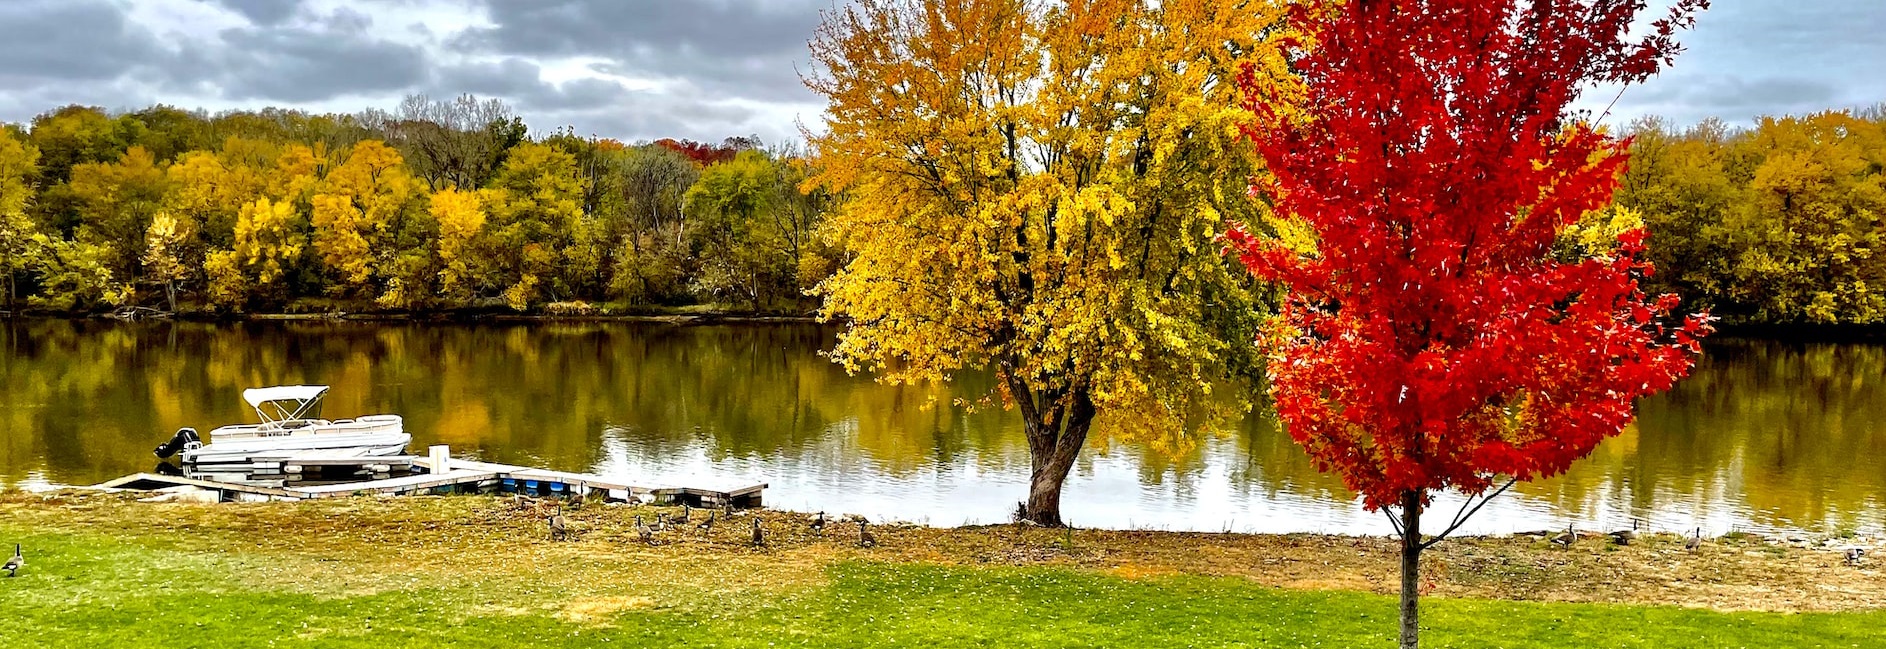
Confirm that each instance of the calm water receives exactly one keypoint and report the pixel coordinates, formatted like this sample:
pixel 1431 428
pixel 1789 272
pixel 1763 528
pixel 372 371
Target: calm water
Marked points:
pixel 1765 435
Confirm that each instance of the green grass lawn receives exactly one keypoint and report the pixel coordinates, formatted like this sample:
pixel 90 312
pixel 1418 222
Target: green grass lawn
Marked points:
pixel 83 589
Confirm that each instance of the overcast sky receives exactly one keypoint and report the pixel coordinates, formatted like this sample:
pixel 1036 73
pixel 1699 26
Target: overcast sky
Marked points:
pixel 705 69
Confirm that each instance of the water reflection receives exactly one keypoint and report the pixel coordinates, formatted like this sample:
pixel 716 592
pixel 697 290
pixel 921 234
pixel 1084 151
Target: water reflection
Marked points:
pixel 1765 435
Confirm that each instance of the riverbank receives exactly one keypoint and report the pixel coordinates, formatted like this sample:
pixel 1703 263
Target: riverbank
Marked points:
pixel 332 310
pixel 104 570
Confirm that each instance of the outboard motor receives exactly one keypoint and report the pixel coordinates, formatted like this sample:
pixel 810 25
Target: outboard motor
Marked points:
pixel 185 438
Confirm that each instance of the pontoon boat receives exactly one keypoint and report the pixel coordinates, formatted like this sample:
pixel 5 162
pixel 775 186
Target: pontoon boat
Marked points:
pixel 291 426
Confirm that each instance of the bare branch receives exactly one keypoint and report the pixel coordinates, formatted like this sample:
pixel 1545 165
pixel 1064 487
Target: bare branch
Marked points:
pixel 1461 518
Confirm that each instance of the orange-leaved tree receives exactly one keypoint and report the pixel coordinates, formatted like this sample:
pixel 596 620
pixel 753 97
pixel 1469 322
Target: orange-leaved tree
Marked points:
pixel 1438 334
pixel 1036 189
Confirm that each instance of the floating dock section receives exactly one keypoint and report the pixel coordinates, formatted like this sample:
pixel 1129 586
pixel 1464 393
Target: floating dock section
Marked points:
pixel 312 477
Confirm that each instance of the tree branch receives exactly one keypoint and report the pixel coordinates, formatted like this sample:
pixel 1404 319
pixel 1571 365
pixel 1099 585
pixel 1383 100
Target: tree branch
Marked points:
pixel 1461 517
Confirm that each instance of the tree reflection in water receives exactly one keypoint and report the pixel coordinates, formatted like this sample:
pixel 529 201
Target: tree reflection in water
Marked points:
pixel 1764 435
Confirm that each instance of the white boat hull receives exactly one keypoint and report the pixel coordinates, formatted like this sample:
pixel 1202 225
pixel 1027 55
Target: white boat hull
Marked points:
pixel 371 436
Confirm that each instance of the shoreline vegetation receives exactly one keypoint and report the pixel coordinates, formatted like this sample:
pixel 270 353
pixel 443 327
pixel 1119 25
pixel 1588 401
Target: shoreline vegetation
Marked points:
pixel 475 570
pixel 441 205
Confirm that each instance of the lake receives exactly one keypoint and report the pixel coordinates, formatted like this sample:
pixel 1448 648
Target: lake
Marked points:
pixel 1765 436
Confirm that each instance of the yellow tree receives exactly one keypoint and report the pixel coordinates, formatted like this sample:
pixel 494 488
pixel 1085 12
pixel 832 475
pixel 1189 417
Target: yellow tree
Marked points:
pixel 1038 189
pixel 209 189
pixel 356 206
pixel 19 161
pixel 297 171
pixel 461 219
pixel 223 271
pixel 163 261
pixel 267 240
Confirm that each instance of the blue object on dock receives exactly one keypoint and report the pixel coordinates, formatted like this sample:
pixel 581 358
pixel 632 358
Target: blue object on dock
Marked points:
pixel 531 487
pixel 556 489
pixel 510 485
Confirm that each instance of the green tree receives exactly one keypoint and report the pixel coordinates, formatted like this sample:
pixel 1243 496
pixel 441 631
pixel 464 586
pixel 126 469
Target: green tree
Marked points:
pixel 745 256
pixel 534 204
pixel 643 197
pixel 118 200
pixel 1778 224
pixel 1811 227
pixel 76 275
pixel 19 162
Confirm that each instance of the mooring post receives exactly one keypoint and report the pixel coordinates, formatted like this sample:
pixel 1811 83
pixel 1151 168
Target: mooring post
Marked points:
pixel 440 458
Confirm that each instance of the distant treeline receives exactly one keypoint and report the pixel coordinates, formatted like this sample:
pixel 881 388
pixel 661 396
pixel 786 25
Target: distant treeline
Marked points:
pixel 439 205
pixel 452 204
pixel 1783 223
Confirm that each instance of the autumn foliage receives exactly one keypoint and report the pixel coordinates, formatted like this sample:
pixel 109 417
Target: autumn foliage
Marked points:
pixel 1035 189
pixel 1439 334
pixel 444 205
pixel 1433 339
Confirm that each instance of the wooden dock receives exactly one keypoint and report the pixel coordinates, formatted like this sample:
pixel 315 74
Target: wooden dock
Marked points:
pixel 296 478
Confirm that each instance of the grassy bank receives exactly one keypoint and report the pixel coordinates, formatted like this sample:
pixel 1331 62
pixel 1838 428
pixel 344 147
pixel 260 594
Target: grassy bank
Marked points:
pixel 478 572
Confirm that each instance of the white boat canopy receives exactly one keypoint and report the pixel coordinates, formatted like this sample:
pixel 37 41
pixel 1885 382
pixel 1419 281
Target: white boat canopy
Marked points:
pixel 287 401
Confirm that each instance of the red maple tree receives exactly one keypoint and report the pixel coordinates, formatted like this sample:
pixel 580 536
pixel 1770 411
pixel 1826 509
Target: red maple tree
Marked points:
pixel 707 155
pixel 1438 335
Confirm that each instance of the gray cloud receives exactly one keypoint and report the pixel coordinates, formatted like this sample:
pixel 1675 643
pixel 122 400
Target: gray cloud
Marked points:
pixel 58 41
pixel 512 78
pixel 314 59
pixel 263 12
pixel 706 69
pixel 741 48
pixel 1761 57
pixel 602 106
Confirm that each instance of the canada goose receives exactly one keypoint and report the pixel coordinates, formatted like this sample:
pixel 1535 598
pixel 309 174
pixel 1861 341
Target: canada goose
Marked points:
pixel 707 525
pixel 14 564
pixel 1565 540
pixel 1624 537
pixel 1695 541
pixel 661 522
pixel 818 524
pixel 759 535
pixel 559 527
pixel 1854 555
pixel 686 513
pixel 643 531
pixel 865 538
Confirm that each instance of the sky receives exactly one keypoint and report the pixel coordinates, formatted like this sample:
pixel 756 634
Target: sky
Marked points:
pixel 708 69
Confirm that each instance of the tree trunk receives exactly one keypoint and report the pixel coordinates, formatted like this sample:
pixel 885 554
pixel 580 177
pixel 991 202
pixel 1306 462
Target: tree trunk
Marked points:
pixel 1052 447
pixel 170 294
pixel 1411 570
